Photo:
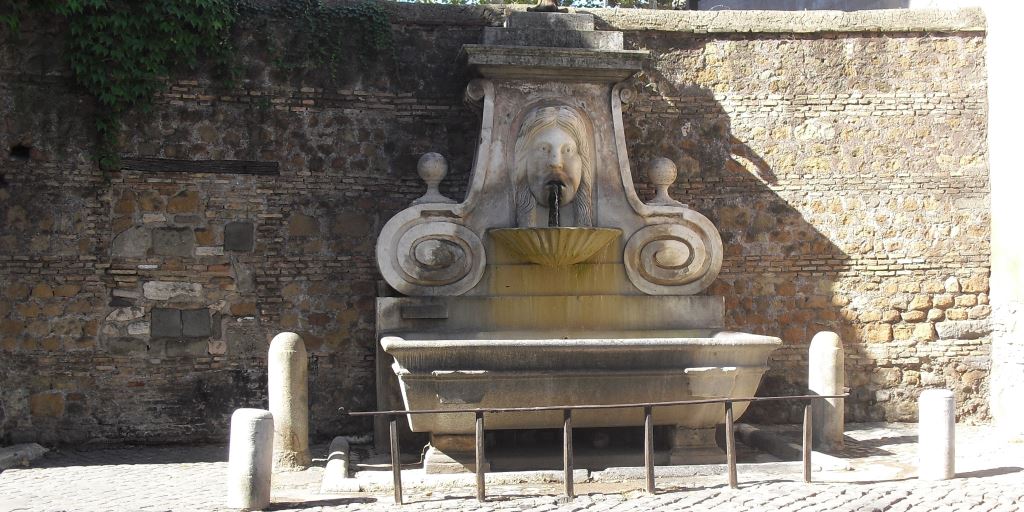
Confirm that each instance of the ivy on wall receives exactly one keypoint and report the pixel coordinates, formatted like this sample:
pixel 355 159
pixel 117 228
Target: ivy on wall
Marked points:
pixel 121 52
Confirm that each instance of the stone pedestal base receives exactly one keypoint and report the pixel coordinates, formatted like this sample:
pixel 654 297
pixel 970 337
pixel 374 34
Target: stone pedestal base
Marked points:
pixel 452 453
pixel 694 446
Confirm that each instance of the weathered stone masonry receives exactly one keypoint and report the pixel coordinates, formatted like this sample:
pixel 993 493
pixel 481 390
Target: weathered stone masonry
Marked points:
pixel 842 157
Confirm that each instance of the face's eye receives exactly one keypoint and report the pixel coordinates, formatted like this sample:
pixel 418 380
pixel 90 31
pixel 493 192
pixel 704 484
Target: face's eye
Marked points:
pixel 569 150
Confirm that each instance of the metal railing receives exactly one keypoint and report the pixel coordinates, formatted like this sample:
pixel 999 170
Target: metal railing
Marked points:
pixel 567 458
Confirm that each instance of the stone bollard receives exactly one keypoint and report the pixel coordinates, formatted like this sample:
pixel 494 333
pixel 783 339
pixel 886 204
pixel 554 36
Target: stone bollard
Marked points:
pixel 250 459
pixel 936 435
pixel 288 380
pixel 825 375
pixel 335 477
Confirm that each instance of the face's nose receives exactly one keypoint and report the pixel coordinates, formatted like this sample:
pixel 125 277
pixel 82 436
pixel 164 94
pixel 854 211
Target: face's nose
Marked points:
pixel 555 160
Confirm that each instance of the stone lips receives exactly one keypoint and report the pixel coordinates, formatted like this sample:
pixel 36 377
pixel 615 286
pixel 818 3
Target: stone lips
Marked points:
pixel 555 246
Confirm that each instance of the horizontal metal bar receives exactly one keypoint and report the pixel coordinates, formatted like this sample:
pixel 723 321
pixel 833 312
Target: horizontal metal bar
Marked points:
pixel 593 406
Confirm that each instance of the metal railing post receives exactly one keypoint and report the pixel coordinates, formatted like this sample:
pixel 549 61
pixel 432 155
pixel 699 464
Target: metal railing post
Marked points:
pixel 481 490
pixel 396 461
pixel 730 445
pixel 567 453
pixel 807 443
pixel 649 448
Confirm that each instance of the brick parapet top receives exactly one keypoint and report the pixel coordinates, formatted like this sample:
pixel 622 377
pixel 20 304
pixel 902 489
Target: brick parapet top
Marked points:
pixel 970 20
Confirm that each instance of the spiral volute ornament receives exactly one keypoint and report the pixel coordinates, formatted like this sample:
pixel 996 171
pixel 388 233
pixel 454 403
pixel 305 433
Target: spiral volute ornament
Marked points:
pixel 674 259
pixel 435 257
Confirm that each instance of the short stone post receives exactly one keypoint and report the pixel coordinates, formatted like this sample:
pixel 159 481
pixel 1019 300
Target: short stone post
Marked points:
pixel 825 376
pixel 288 380
pixel 336 473
pixel 936 437
pixel 250 459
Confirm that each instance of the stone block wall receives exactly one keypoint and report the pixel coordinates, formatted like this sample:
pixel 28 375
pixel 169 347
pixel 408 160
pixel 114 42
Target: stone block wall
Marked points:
pixel 842 158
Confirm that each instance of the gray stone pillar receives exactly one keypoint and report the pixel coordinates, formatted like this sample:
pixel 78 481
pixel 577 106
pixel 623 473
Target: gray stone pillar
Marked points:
pixel 250 459
pixel 825 376
pixel 936 437
pixel 288 380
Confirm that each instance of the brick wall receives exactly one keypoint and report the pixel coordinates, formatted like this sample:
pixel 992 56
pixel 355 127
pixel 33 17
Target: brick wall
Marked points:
pixel 846 170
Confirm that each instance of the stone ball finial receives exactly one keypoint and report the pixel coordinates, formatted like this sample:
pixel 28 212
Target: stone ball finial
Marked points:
pixel 432 168
pixel 546 6
pixel 662 174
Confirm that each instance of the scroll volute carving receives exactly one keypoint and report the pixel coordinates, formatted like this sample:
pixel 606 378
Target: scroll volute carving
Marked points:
pixel 438 254
pixel 424 250
pixel 674 259
pixel 681 254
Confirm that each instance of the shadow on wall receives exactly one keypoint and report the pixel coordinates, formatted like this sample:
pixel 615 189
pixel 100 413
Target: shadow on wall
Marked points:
pixel 821 223
pixel 767 241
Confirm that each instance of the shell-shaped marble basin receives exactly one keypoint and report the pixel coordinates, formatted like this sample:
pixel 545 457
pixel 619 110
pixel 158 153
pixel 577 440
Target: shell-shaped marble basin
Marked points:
pixel 555 247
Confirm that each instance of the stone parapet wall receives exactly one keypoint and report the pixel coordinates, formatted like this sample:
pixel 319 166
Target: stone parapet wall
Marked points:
pixel 845 168
pixel 723 21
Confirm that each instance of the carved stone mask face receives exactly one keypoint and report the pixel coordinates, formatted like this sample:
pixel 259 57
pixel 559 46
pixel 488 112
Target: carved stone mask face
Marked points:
pixel 553 155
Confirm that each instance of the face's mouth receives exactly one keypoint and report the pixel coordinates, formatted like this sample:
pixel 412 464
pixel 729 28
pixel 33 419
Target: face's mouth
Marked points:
pixel 548 183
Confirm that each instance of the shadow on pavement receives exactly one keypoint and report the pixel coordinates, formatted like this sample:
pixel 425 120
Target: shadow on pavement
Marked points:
pixel 857 448
pixel 989 472
pixel 126 455
pixel 332 502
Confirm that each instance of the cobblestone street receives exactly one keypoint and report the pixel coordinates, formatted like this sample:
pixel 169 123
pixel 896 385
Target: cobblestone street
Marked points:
pixel 989 478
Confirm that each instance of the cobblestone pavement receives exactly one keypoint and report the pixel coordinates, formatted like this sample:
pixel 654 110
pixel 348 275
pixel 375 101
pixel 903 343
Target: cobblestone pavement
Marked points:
pixel 989 478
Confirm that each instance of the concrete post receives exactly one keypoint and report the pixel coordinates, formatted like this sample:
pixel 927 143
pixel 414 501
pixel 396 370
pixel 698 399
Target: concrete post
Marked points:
pixel 825 376
pixel 936 437
pixel 250 459
pixel 288 380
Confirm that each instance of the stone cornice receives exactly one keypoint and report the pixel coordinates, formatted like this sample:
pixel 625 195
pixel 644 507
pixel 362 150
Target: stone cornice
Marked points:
pixel 970 20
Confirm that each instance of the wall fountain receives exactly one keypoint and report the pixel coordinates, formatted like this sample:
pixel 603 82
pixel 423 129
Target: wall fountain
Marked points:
pixel 553 283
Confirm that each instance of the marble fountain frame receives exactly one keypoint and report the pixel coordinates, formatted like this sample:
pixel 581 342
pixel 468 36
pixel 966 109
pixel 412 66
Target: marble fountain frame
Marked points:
pixel 554 317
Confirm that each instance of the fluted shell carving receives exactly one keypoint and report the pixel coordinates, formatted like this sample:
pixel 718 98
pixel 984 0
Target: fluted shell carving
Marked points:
pixel 674 259
pixel 434 257
pixel 555 246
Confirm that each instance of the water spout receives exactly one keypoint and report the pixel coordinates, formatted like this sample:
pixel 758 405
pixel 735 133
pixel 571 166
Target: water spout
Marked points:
pixel 554 200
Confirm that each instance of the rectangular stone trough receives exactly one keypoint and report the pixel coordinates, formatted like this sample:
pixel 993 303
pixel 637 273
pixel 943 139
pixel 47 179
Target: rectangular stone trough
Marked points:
pixel 512 370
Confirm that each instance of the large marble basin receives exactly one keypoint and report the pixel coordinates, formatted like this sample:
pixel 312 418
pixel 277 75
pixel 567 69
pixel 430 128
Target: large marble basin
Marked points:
pixel 516 370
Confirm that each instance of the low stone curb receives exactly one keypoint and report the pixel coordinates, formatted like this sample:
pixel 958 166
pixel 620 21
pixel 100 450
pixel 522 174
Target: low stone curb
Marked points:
pixel 417 479
pixel 785 450
pixel 20 455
